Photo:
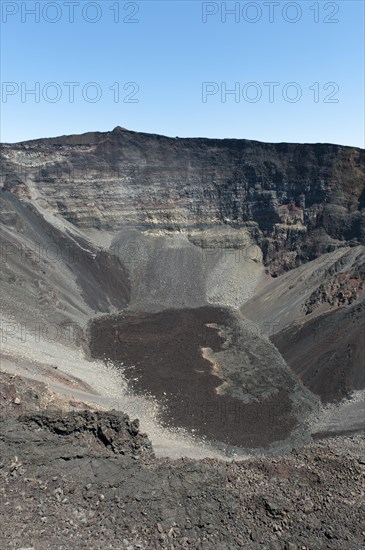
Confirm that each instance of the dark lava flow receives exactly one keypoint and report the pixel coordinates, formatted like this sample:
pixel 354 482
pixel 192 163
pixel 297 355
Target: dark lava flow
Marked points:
pixel 161 356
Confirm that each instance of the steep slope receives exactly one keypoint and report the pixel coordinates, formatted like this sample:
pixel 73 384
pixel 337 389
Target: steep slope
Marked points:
pixel 334 280
pixel 328 352
pixel 315 316
pixel 52 280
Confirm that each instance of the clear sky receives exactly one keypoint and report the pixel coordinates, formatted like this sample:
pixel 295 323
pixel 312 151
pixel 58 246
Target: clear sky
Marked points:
pixel 296 69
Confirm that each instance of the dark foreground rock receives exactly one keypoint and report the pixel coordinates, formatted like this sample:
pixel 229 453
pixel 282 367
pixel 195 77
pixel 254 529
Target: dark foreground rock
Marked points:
pixel 89 481
pixel 110 431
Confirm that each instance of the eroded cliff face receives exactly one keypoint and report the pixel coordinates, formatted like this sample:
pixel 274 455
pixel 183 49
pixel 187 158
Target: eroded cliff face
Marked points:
pixel 136 227
pixel 294 201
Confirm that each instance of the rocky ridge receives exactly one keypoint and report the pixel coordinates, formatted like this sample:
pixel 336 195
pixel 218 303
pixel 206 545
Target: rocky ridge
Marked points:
pixel 296 201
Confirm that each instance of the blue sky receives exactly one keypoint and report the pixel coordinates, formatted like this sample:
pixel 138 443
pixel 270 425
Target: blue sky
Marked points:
pixel 163 67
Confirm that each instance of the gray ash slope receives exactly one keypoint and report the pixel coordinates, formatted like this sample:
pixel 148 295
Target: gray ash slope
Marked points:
pixel 157 223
